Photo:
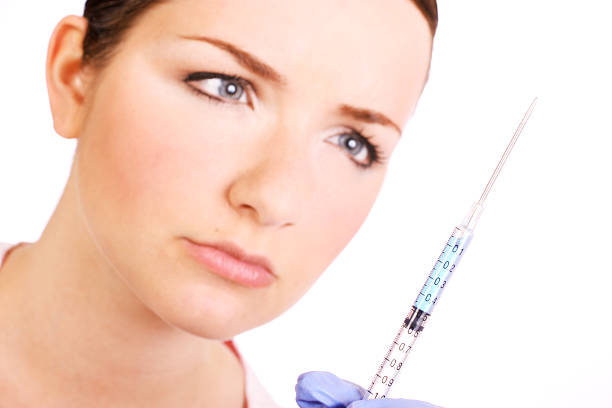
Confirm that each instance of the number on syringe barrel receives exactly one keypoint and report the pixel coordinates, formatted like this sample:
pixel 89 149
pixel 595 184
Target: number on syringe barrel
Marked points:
pixel 384 381
pixel 441 272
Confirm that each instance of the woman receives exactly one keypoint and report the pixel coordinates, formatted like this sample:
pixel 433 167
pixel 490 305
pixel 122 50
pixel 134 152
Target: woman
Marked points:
pixel 227 152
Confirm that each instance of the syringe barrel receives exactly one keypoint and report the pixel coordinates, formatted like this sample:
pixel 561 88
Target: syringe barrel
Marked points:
pixel 414 323
pixel 397 353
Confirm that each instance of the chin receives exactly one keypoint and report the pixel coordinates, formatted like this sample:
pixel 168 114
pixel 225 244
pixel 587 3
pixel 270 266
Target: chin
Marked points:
pixel 214 315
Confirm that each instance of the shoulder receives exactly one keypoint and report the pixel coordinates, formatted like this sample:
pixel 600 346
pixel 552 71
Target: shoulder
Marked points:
pixel 256 394
pixel 4 247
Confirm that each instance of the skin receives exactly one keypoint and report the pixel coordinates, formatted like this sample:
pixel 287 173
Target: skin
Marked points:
pixel 115 312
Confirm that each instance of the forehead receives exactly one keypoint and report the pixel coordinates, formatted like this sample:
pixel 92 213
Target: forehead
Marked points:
pixel 374 52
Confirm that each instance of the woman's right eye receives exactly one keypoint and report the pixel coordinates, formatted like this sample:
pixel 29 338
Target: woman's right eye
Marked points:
pixel 220 87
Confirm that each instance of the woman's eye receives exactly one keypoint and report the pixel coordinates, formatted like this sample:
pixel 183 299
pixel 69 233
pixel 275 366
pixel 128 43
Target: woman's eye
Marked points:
pixel 362 151
pixel 219 86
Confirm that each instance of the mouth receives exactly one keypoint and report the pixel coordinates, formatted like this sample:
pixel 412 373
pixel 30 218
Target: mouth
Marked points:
pixel 231 262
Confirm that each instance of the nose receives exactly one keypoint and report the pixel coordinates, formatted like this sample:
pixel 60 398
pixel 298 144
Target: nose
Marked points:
pixel 274 188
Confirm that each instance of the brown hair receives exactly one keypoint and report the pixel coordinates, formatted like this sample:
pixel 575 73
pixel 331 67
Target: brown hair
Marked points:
pixel 108 20
pixel 429 9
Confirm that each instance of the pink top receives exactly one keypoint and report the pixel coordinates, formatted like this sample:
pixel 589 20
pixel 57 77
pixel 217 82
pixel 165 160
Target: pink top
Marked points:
pixel 255 394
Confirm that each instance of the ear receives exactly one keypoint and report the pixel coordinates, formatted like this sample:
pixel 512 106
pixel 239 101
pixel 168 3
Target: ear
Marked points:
pixel 66 75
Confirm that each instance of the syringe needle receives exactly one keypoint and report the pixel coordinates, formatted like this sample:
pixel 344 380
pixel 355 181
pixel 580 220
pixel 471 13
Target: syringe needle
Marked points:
pixel 517 133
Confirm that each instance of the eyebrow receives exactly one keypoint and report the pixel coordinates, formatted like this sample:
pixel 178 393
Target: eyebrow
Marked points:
pixel 368 116
pixel 249 61
pixel 260 68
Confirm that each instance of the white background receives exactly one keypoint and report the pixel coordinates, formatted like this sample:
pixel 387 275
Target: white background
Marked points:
pixel 526 320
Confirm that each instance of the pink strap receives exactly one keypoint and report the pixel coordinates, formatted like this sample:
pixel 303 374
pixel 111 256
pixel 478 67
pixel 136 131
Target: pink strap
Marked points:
pixel 230 344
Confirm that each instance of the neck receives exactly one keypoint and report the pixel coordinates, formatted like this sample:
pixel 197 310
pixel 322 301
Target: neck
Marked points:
pixel 80 329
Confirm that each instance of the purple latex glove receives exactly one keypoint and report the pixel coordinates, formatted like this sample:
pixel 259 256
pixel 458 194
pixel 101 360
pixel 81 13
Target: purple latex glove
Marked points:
pixel 320 389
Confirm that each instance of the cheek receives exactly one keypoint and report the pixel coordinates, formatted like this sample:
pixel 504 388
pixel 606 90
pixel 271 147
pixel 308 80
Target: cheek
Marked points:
pixel 152 156
pixel 334 218
pixel 346 212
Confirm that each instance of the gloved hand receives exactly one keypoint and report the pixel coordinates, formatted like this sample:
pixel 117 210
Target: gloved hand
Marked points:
pixel 320 389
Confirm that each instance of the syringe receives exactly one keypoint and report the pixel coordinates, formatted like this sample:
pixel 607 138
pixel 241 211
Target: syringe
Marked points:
pixel 436 281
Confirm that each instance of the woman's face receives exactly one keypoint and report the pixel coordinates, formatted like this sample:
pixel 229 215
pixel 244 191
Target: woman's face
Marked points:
pixel 282 162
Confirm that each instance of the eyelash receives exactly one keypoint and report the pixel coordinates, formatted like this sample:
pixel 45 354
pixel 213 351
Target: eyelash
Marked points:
pixel 376 156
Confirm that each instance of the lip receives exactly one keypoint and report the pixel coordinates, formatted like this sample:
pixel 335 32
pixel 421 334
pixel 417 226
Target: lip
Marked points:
pixel 231 262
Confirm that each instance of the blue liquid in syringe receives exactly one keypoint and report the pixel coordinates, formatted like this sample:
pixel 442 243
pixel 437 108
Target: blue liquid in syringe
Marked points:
pixel 441 272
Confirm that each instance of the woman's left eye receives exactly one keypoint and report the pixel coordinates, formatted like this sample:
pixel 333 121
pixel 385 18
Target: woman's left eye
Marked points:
pixel 220 87
pixel 362 151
